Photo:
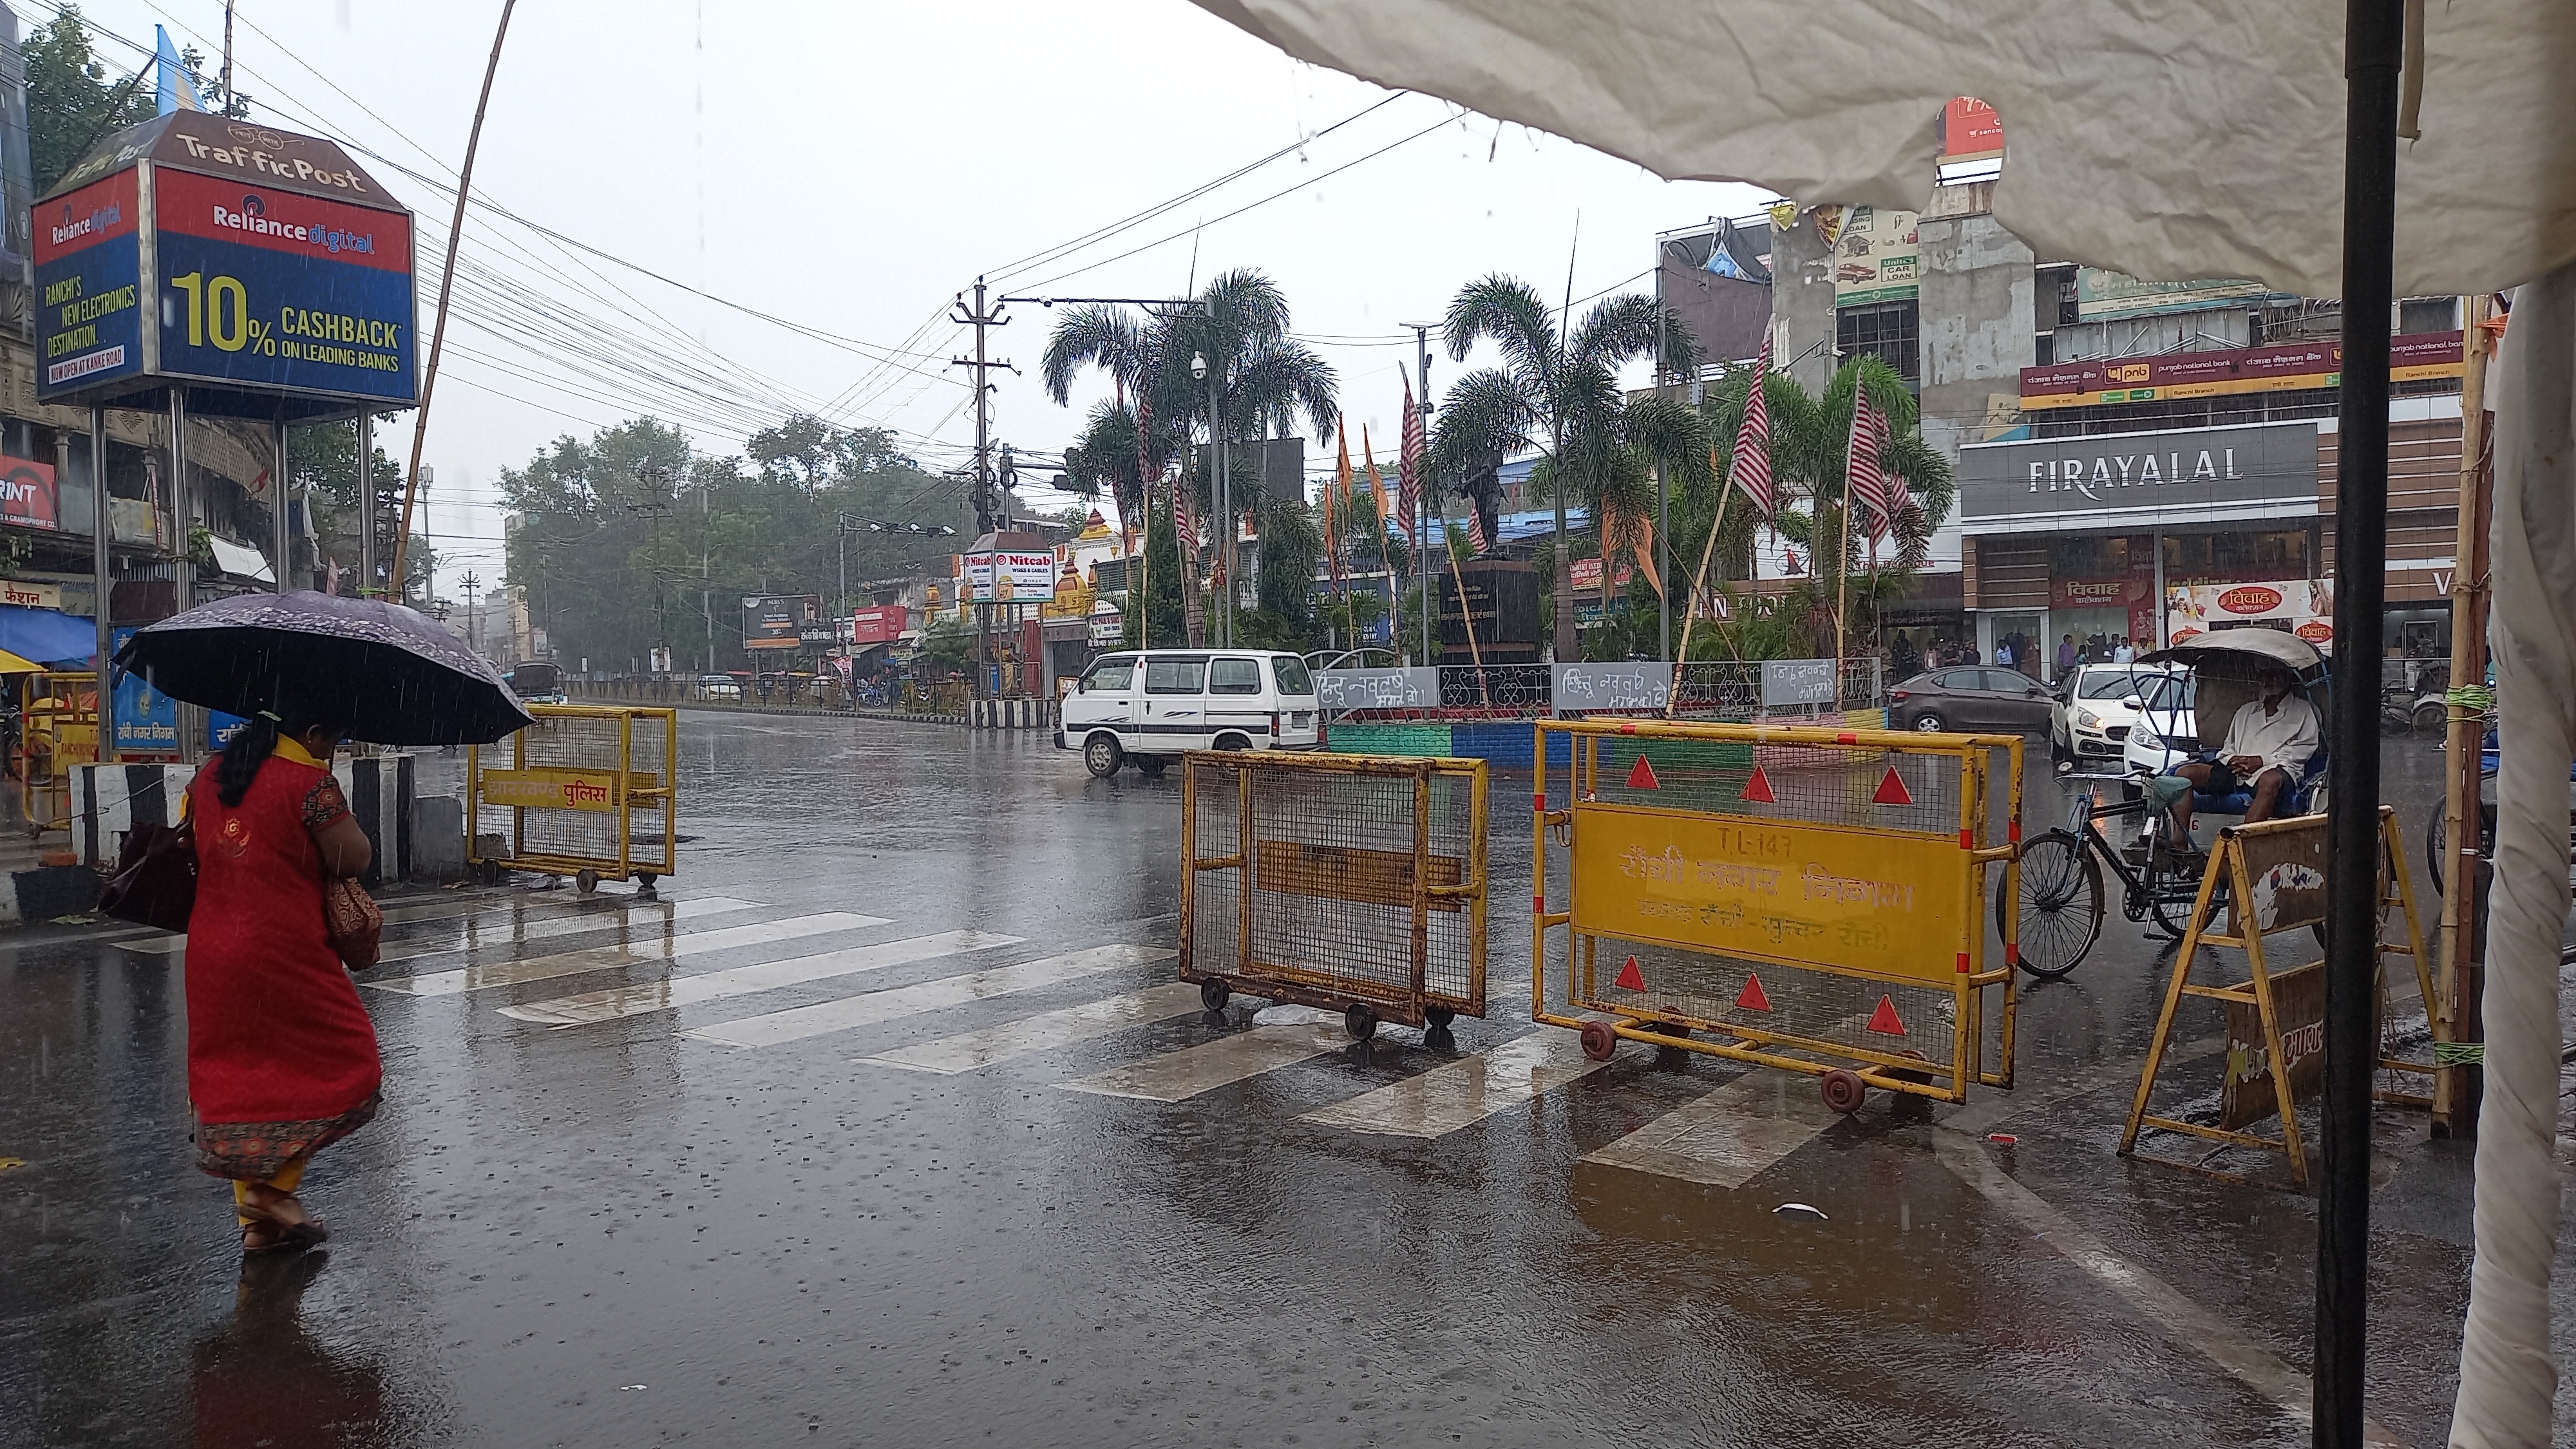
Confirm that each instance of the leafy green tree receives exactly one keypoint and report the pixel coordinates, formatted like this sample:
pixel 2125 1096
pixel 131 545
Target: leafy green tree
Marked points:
pixel 72 104
pixel 1557 393
pixel 632 537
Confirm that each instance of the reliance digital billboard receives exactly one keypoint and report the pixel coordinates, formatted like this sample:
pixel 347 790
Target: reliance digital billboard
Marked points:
pixel 252 262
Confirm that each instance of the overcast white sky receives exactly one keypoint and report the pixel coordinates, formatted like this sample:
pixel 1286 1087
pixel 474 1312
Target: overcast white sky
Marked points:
pixel 851 167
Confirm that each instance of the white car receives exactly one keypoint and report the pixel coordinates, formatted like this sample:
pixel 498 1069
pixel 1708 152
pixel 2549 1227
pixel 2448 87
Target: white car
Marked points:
pixel 1150 706
pixel 2165 735
pixel 2098 704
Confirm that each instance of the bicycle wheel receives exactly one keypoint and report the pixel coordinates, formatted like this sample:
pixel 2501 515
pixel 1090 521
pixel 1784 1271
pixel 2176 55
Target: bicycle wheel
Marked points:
pixel 2061 904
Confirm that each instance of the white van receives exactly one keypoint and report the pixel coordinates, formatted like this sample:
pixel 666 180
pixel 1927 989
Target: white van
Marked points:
pixel 1151 705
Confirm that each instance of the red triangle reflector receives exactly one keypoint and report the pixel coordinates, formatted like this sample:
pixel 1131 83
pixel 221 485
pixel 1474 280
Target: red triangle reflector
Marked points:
pixel 1630 978
pixel 1641 776
pixel 1758 789
pixel 1884 1021
pixel 1751 997
pixel 1891 790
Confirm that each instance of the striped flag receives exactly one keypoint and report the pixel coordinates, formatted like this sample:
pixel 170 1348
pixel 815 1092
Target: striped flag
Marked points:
pixel 1872 482
pixel 1751 468
pixel 1408 468
pixel 1184 527
pixel 1476 540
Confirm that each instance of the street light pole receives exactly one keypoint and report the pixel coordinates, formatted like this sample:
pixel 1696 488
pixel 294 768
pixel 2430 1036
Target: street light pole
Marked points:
pixel 1663 512
pixel 1423 488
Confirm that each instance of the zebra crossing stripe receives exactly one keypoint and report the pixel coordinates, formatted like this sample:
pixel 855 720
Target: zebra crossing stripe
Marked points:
pixel 676 991
pixel 973 1050
pixel 1466 1091
pixel 1181 1075
pixel 155 943
pixel 1727 1137
pixel 601 958
pixel 800 1022
pixel 509 933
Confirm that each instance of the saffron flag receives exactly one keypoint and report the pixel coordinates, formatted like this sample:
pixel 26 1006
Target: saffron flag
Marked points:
pixel 1751 468
pixel 1408 467
pixel 1377 485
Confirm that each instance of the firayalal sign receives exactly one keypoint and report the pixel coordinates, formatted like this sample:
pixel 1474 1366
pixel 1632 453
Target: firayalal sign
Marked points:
pixel 2127 477
pixel 556 789
pixel 1864 901
pixel 213 250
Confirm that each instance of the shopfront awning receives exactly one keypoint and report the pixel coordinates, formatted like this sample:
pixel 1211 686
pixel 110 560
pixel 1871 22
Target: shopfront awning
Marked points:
pixel 47 634
pixel 240 562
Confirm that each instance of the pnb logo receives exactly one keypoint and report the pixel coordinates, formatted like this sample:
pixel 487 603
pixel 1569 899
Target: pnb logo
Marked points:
pixel 73 226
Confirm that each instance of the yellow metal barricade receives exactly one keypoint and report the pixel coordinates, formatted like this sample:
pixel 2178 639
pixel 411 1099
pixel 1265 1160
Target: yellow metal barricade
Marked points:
pixel 591 793
pixel 1811 899
pixel 2265 879
pixel 1354 883
pixel 57 729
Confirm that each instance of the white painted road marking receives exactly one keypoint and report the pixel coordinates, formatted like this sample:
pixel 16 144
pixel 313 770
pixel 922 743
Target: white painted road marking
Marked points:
pixel 970 1051
pixel 800 1022
pixel 407 913
pixel 602 958
pixel 1726 1137
pixel 1178 1076
pixel 664 995
pixel 1464 1092
pixel 645 913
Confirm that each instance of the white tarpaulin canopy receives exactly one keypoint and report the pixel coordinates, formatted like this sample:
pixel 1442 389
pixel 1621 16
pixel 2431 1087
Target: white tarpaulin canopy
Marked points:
pixel 2172 140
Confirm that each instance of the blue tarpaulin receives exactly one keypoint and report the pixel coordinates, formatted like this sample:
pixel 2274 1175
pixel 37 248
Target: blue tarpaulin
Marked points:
pixel 49 636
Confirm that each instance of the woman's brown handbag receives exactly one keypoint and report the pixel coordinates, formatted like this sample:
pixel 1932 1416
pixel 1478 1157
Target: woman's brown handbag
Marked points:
pixel 351 920
pixel 156 878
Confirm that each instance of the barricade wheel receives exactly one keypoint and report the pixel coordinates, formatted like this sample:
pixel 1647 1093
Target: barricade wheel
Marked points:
pixel 1599 1041
pixel 1843 1090
pixel 1360 1022
pixel 1213 994
pixel 644 882
pixel 1439 1039
pixel 1438 1017
pixel 587 881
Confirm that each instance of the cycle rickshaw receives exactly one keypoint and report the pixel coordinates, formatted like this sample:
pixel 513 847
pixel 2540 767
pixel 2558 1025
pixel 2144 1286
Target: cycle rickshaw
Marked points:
pixel 2063 900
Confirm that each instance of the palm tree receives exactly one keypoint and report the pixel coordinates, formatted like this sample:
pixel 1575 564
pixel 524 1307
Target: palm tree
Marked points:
pixel 1556 393
pixel 1267 382
pixel 1810 458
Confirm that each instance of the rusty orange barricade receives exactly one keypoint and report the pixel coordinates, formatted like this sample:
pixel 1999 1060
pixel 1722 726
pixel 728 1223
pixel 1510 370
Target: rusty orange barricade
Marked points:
pixel 1350 882
pixel 1810 899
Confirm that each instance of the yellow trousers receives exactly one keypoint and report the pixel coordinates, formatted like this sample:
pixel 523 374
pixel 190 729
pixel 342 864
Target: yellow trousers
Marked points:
pixel 286 1180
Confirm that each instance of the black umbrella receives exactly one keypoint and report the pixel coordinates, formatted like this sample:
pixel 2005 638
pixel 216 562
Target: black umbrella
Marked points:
pixel 408 680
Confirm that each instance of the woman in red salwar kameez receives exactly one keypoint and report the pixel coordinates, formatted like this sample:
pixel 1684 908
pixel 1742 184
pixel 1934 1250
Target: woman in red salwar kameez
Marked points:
pixel 281 1056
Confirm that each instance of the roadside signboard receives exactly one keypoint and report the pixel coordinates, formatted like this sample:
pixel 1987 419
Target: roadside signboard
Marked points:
pixel 89 313
pixel 1636 686
pixel 881 625
pixel 778 621
pixel 147 721
pixel 1339 690
pixel 1797 681
pixel 1007 576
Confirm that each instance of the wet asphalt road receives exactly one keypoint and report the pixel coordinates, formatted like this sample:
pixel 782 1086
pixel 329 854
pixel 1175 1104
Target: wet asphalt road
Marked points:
pixel 672 1199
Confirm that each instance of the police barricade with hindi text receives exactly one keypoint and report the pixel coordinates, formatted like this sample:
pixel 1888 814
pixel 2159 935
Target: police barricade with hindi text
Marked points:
pixel 1350 882
pixel 1801 898
pixel 2262 880
pixel 589 791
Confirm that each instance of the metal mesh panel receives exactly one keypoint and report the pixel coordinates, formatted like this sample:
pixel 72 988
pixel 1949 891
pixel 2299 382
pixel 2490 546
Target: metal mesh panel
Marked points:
pixel 1717 991
pixel 1311 895
pixel 1820 784
pixel 587 741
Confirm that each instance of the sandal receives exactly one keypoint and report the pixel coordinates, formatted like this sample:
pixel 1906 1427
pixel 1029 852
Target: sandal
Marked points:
pixel 298 1230
pixel 263 1237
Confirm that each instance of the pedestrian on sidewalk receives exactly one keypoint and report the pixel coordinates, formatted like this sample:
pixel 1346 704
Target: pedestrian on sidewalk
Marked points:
pixel 281 1055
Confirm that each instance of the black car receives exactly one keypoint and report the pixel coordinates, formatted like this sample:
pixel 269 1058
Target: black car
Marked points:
pixel 1969 697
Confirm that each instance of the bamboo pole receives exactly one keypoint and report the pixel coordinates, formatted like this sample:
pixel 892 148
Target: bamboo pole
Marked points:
pixel 1690 606
pixel 446 282
pixel 1842 581
pixel 1467 616
pixel 2456 1090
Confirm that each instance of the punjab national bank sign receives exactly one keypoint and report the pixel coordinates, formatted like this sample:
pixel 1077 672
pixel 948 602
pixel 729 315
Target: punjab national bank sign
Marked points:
pixel 218 252
pixel 2139 479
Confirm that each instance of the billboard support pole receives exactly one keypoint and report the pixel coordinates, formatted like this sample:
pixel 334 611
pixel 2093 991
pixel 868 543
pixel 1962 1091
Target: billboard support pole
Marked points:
pixel 366 502
pixel 185 575
pixel 280 530
pixel 101 528
pixel 446 281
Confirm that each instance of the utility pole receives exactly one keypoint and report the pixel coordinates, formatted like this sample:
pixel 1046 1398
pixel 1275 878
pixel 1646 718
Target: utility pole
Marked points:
pixel 473 618
pixel 655 506
pixel 980 318
pixel 1663 509
pixel 228 57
